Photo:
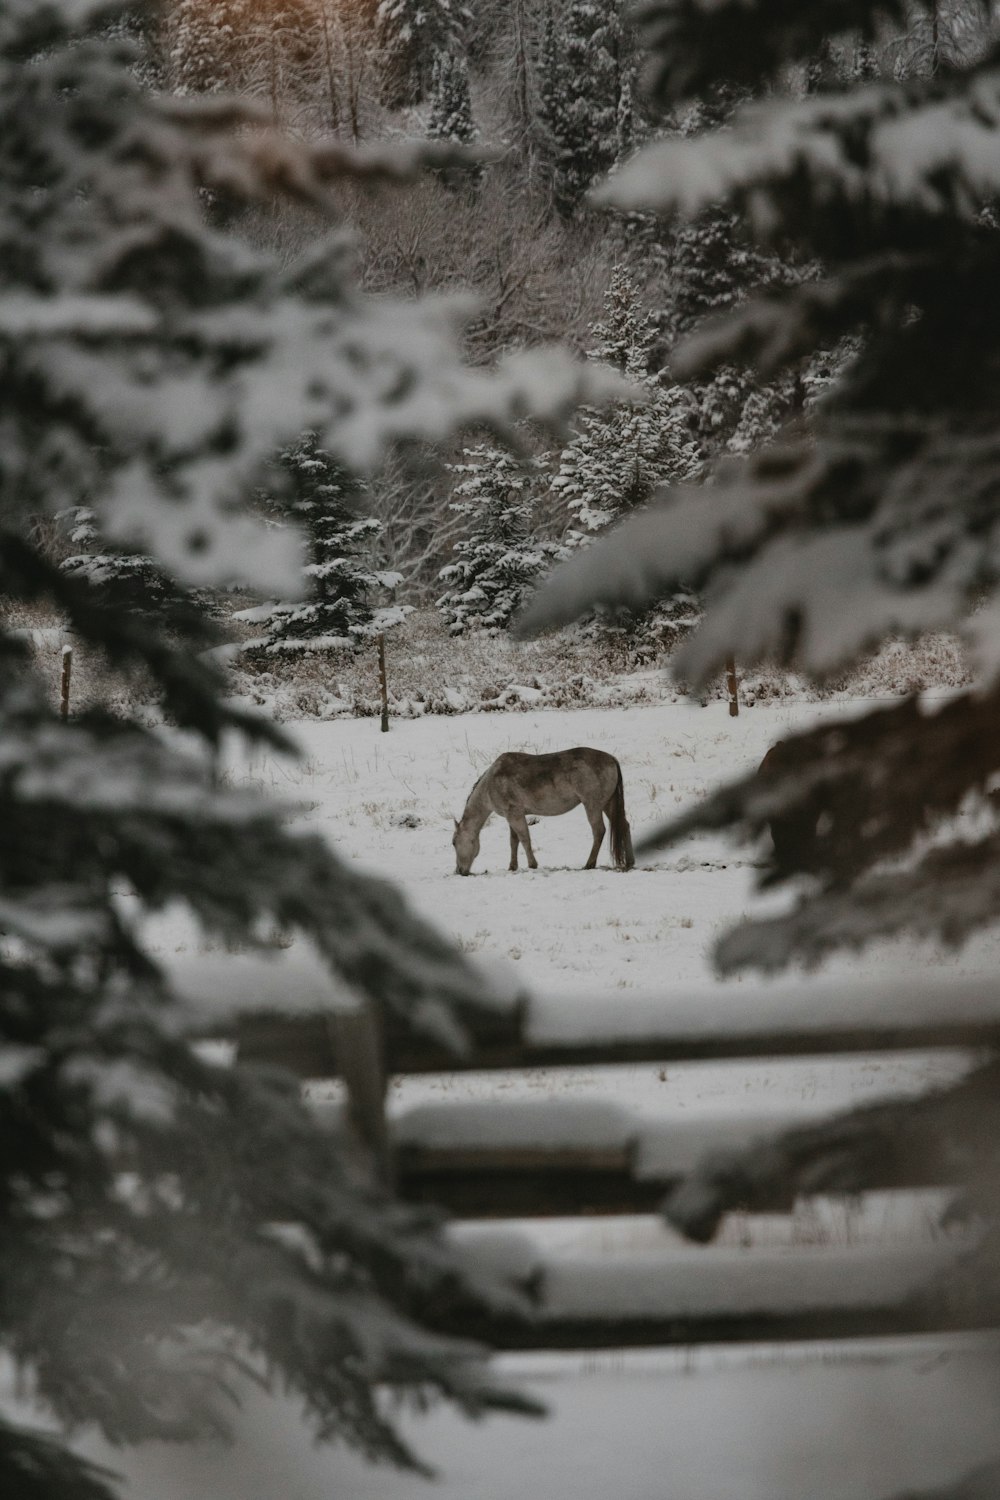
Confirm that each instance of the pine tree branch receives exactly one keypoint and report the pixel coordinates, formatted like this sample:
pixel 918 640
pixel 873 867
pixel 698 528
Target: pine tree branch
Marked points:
pixel 946 1138
pixel 951 893
pixel 192 691
pixel 692 44
pixel 34 1466
pixel 875 783
pixel 903 167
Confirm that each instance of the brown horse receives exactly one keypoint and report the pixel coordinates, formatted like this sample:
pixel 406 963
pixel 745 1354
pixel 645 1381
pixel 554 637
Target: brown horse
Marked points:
pixel 516 785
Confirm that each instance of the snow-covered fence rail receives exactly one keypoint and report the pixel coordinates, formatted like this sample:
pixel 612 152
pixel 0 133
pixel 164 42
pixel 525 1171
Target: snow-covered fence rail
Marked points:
pixel 526 1158
pixel 712 1295
pixel 562 1160
pixel 744 1022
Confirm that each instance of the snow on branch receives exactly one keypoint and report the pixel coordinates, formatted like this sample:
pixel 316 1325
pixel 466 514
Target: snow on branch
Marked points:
pixel 778 330
pixel 812 552
pixel 846 1154
pixel 854 168
pixel 951 893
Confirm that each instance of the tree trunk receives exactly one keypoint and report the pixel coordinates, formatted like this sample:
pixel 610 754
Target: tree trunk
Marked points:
pixel 383 684
pixel 733 686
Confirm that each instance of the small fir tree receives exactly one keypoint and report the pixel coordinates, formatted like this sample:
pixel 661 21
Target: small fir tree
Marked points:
pixel 130 581
pixel 204 44
pixel 499 559
pixel 621 453
pixel 712 266
pixel 314 491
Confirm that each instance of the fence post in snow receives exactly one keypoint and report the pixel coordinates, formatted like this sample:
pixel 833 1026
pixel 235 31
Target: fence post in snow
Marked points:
pixel 732 683
pixel 383 684
pixel 67 674
pixel 356 1042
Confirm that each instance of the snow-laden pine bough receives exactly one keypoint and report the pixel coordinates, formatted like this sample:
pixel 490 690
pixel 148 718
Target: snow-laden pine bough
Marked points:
pixel 517 784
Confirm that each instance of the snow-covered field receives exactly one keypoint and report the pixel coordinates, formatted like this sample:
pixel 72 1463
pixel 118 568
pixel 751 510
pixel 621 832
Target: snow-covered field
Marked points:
pixel 387 801
pixel 715 1425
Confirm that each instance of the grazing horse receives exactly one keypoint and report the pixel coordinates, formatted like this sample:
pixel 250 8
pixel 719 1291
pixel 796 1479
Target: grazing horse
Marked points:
pixel 516 785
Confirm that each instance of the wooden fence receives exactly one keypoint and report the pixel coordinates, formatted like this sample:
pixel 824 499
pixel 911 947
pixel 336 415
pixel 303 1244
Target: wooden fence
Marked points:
pixel 498 1165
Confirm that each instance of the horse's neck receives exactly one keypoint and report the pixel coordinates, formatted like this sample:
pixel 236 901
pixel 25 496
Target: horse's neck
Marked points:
pixel 478 806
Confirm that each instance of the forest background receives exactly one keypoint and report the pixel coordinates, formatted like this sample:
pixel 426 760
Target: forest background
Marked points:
pixel 446 540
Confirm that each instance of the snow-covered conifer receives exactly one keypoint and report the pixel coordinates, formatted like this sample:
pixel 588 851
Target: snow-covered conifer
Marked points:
pixel 207 44
pixel 342 586
pixel 130 581
pixel 580 85
pixel 499 558
pixel 411 35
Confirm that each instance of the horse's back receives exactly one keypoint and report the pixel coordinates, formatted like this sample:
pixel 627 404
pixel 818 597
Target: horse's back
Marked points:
pixel 520 761
pixel 556 781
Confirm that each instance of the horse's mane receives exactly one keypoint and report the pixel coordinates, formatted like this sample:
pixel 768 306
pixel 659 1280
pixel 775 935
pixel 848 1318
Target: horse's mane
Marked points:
pixel 475 784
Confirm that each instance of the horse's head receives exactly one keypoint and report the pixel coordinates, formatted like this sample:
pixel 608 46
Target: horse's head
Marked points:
pixel 466 843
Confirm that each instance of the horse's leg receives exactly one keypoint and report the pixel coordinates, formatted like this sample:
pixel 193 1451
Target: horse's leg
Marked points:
pixel 513 848
pixel 519 826
pixel 595 817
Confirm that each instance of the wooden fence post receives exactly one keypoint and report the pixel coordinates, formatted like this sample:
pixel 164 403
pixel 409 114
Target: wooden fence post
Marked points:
pixel 733 686
pixel 356 1039
pixel 67 674
pixel 383 684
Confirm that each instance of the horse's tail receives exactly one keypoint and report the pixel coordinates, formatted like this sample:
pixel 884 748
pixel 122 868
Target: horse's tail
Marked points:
pixel 621 834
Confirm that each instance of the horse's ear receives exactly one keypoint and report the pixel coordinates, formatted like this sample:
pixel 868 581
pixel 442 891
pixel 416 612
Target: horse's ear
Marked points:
pixel 456 822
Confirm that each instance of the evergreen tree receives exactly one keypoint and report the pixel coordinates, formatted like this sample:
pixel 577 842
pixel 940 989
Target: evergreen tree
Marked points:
pixel 712 266
pixel 167 1221
pixel 625 122
pixel 620 453
pixel 130 581
pixel 580 86
pixel 451 102
pixel 313 490
pixel 275 50
pixel 878 514
pixel 206 45
pixel 499 558
pixel 411 35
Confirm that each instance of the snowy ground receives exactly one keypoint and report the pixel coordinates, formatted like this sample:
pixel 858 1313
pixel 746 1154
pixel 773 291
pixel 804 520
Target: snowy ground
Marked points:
pixel 562 929
pixel 804 1424
pixel 711 1426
